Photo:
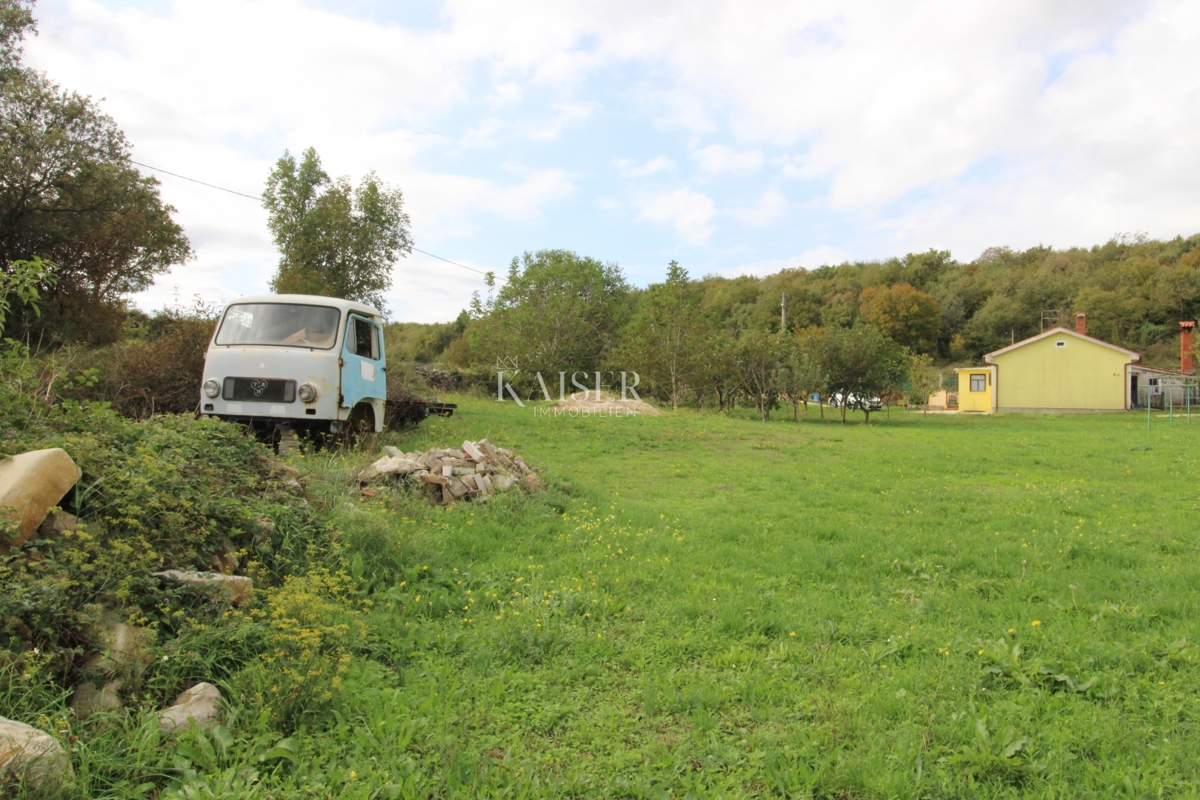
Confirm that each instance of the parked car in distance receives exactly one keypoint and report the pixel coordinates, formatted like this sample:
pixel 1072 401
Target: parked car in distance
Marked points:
pixel 852 400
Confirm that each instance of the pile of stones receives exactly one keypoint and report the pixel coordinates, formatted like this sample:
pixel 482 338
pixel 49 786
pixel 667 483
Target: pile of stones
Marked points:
pixel 475 471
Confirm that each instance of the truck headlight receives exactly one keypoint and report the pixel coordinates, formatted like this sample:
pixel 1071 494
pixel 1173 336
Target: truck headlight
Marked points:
pixel 212 388
pixel 307 393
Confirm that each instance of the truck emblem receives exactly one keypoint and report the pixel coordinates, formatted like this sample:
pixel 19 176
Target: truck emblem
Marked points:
pixel 258 387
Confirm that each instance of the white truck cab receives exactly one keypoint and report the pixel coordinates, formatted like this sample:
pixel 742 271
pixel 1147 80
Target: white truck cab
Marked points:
pixel 297 362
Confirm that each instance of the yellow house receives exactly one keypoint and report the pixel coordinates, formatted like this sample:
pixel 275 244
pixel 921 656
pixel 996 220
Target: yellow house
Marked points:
pixel 977 389
pixel 1061 370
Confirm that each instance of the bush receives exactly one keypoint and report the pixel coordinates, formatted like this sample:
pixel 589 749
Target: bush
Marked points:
pixel 156 370
pixel 310 629
pixel 168 492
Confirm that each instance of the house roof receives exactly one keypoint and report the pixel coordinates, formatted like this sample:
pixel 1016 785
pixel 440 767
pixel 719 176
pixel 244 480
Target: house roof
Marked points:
pixel 1147 368
pixel 1060 331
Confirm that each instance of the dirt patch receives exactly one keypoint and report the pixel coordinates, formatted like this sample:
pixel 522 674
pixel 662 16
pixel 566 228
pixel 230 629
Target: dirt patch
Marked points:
pixel 576 406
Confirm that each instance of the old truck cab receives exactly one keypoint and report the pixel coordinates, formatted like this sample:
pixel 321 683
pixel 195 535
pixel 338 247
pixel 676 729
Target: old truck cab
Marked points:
pixel 291 362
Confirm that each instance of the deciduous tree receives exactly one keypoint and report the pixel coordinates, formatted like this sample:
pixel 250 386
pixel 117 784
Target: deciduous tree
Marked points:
pixel 758 358
pixel 662 341
pixel 859 362
pixel 903 314
pixel 557 311
pixel 334 239
pixel 69 194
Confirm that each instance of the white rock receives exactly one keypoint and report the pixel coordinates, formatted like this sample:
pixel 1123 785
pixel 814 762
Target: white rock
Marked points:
pixel 502 483
pixel 33 755
pixel 33 483
pixel 199 705
pixel 473 452
pixel 237 588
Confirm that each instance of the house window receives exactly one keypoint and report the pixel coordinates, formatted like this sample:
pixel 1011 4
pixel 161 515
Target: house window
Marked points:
pixel 1060 344
pixel 979 383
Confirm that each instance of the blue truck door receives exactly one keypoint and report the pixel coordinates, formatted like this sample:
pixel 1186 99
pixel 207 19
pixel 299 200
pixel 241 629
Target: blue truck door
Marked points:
pixel 364 376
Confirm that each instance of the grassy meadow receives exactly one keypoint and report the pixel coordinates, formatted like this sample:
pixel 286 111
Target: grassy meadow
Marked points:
pixel 703 606
pixel 706 606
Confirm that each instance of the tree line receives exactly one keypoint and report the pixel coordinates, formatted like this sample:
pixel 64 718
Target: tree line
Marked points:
pixel 863 329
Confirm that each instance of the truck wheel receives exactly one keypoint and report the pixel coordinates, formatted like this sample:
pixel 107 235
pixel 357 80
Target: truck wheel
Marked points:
pixel 360 425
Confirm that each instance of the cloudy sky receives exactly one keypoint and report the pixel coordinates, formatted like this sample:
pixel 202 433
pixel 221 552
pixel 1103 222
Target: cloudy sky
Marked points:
pixel 737 137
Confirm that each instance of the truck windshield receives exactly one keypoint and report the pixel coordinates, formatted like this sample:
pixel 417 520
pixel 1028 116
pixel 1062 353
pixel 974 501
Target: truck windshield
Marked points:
pixel 279 324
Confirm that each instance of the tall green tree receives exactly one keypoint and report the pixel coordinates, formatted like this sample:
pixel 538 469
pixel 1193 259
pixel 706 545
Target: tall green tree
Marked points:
pixel 69 194
pixel 334 239
pixel 556 312
pixel 662 341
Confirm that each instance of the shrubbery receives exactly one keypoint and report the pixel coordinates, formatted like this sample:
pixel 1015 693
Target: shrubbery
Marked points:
pixel 168 492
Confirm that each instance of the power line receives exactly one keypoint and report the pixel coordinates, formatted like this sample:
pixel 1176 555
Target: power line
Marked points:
pixel 193 180
pixel 259 199
pixel 455 263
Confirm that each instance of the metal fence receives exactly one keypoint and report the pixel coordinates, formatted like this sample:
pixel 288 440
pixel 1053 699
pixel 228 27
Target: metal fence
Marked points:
pixel 1180 393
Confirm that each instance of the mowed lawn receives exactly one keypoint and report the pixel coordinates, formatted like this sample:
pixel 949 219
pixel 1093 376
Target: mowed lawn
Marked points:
pixel 703 606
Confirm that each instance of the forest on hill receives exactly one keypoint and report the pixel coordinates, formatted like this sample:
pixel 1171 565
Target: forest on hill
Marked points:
pixel 556 310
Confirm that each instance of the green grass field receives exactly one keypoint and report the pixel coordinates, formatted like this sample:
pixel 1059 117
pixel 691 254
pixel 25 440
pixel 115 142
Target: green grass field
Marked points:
pixel 702 606
pixel 712 607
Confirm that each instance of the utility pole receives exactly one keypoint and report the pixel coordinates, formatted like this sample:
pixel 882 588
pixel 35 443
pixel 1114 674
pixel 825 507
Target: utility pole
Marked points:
pixel 783 313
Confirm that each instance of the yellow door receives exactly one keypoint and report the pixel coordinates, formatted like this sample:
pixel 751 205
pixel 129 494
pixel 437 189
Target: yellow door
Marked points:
pixel 975 390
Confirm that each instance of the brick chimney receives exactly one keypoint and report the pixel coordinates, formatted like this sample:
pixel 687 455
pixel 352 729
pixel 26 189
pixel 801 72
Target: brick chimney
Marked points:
pixel 1081 323
pixel 1185 347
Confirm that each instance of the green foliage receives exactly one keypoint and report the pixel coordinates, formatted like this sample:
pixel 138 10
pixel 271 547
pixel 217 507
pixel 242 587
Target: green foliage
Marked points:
pixel 859 361
pixel 557 312
pixel 167 493
pixel 664 340
pixel 420 342
pixel 72 197
pixel 905 315
pixel 310 628
pixel 758 359
pixel 334 239
pixel 16 19
pixel 155 369
pixel 22 281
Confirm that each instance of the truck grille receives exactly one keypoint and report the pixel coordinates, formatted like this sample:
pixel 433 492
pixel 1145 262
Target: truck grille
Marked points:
pixel 261 390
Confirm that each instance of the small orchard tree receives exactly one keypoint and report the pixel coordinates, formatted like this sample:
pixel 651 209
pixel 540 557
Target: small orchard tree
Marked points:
pixel 859 362
pixel 717 368
pixel 800 375
pixel 758 358
pixel 557 311
pixel 922 380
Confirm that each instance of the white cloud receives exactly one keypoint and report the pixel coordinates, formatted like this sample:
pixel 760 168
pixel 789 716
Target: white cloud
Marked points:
pixel 482 135
pixel 566 115
pixel 690 212
pixel 628 169
pixel 771 207
pixel 821 257
pixel 928 123
pixel 717 159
